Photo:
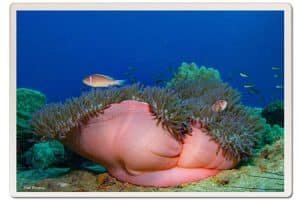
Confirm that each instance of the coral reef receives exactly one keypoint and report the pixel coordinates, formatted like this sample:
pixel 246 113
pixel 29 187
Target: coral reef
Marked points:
pixel 191 72
pixel 241 132
pixel 186 103
pixel 274 113
pixel 28 101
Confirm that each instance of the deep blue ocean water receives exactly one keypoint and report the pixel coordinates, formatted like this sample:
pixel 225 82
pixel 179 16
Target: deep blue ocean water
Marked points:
pixel 57 49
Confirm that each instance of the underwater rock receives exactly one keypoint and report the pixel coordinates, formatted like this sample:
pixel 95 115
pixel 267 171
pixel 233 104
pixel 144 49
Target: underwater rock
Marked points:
pixel 191 72
pixel 274 113
pixel 28 101
pixel 44 155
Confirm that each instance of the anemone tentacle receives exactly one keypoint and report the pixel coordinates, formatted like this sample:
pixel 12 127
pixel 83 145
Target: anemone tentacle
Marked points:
pixel 56 120
pixel 168 110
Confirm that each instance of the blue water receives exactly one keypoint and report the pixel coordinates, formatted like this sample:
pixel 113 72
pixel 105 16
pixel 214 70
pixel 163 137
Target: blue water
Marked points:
pixel 57 49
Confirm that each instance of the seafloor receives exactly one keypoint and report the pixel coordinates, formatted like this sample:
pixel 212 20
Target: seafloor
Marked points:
pixel 263 174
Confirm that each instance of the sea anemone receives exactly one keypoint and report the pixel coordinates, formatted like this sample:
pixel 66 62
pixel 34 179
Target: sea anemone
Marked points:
pixel 57 120
pixel 236 128
pixel 237 131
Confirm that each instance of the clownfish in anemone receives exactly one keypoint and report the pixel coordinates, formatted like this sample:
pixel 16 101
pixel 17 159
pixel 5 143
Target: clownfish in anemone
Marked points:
pixel 219 105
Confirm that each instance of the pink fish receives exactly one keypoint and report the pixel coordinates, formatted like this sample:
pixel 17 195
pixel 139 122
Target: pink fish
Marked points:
pixel 100 80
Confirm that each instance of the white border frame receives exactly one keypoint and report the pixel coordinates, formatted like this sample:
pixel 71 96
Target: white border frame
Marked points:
pixel 288 104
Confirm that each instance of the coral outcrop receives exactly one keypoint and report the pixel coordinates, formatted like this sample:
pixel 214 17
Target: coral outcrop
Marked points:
pixel 191 72
pixel 270 133
pixel 44 155
pixel 274 113
pixel 28 101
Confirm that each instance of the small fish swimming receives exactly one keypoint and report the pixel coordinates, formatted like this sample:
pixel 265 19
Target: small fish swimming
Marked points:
pixel 100 80
pixel 244 75
pixel 248 86
pixel 275 68
pixel 275 75
pixel 279 86
pixel 219 105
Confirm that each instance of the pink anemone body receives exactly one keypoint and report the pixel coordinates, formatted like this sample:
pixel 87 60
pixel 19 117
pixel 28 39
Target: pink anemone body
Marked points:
pixel 128 142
